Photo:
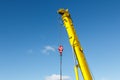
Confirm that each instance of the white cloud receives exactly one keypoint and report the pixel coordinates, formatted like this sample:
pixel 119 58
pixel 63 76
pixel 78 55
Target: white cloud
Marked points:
pixel 104 78
pixel 48 49
pixel 57 77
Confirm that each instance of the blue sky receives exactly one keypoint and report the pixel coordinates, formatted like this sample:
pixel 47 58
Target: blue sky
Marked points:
pixel 31 31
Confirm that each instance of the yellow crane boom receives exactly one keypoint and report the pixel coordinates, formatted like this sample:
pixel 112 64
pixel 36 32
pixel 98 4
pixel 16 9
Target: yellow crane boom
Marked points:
pixel 78 51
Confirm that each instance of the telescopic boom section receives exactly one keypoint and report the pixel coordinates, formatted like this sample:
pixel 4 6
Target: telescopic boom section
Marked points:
pixel 82 64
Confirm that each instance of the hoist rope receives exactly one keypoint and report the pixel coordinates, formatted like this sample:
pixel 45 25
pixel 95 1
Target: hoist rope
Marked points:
pixel 60 41
pixel 60 30
pixel 73 52
pixel 74 58
pixel 60 67
pixel 60 48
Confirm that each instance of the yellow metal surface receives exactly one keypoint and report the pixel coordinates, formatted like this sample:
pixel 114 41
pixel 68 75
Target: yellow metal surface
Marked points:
pixel 75 44
pixel 76 72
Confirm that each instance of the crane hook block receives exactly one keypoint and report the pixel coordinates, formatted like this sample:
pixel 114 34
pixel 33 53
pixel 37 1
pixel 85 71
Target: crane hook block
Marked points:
pixel 60 49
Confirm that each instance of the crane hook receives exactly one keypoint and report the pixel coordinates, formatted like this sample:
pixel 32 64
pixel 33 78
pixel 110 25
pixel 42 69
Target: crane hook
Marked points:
pixel 60 49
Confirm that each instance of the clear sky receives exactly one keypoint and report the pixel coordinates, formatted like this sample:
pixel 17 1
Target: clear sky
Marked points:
pixel 31 31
